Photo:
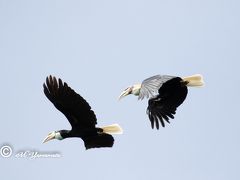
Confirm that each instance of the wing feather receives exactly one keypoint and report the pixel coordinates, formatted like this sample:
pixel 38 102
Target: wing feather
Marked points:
pixel 162 107
pixel 72 105
pixel 150 86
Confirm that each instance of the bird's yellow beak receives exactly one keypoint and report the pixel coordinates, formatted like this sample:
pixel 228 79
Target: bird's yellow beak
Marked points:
pixel 125 93
pixel 49 137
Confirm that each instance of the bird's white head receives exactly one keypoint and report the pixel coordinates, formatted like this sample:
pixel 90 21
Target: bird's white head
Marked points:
pixel 53 135
pixel 135 90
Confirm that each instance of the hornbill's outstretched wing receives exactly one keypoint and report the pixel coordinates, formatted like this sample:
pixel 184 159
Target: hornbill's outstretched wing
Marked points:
pixel 162 107
pixel 72 105
pixel 150 86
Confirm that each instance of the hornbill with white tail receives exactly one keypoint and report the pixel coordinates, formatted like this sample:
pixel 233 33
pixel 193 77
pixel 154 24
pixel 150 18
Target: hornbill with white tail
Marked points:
pixel 79 114
pixel 165 94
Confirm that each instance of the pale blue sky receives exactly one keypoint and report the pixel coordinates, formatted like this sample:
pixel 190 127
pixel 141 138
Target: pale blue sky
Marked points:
pixel 101 47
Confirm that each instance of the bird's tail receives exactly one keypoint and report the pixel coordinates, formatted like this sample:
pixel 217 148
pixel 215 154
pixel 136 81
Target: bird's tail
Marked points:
pixel 112 129
pixel 195 80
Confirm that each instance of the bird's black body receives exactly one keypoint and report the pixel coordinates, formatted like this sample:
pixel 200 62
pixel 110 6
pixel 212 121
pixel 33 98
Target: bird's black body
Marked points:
pixel 170 95
pixel 79 114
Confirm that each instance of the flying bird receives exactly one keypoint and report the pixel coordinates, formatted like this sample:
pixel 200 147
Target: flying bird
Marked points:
pixel 79 114
pixel 165 94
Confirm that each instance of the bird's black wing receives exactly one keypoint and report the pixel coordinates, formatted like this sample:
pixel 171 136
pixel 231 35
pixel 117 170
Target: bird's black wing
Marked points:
pixel 71 104
pixel 100 140
pixel 164 106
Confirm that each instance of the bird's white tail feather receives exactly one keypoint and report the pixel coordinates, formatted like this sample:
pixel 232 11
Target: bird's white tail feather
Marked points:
pixel 194 80
pixel 112 129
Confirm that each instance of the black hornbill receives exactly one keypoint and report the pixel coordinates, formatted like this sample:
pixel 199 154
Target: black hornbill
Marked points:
pixel 165 94
pixel 79 114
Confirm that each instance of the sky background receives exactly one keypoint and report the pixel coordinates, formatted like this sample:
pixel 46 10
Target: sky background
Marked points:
pixel 101 47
